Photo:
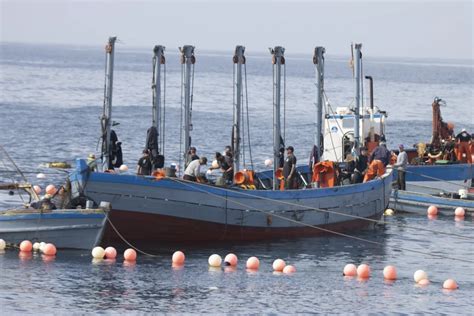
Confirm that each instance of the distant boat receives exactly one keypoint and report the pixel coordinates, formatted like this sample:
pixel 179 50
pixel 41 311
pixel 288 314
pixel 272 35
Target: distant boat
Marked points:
pixel 168 209
pixel 414 202
pixel 74 229
pixel 434 174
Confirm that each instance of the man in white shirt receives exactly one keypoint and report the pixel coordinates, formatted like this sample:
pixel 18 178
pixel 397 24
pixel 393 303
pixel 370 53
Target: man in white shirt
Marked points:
pixel 402 161
pixel 193 170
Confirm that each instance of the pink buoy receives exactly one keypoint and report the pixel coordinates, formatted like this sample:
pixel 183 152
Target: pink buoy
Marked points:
pixel 289 269
pixel 51 189
pixel 363 271
pixel 49 250
pixel 450 284
pixel 26 246
pixel 130 255
pixel 110 253
pixel 432 210
pixel 37 189
pixel 424 282
pixel 350 270
pixel 253 263
pixel 231 260
pixel 178 258
pixel 278 265
pixel 390 273
pixel 459 212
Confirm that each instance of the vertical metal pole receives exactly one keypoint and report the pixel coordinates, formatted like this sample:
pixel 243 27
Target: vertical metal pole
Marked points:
pixel 358 78
pixel 318 61
pixel 278 60
pixel 239 60
pixel 107 110
pixel 158 60
pixel 188 60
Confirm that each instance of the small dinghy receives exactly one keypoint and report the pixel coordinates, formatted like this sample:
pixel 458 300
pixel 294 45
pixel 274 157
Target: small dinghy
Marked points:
pixel 415 202
pixel 65 228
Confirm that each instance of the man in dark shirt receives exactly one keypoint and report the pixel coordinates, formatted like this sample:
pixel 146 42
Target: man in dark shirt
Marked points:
pixel 379 159
pixel 381 153
pixel 289 169
pixel 144 164
pixel 226 165
pixel 463 139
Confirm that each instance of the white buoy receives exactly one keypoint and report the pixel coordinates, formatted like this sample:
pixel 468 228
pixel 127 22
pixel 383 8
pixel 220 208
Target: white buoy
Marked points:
pixel 41 176
pixel 3 244
pixel 420 275
pixel 268 162
pixel 98 253
pixel 36 246
pixel 215 260
pixel 42 244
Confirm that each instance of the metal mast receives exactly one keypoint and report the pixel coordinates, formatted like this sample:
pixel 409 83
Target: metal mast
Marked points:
pixel 318 60
pixel 187 64
pixel 158 108
pixel 278 60
pixel 106 119
pixel 239 60
pixel 358 78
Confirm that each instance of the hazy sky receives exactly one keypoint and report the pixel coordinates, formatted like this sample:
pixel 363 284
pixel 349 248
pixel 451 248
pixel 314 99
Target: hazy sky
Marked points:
pixel 437 29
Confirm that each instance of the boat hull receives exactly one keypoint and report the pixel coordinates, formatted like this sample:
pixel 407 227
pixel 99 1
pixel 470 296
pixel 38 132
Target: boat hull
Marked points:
pixel 146 210
pixel 432 179
pixel 418 203
pixel 73 229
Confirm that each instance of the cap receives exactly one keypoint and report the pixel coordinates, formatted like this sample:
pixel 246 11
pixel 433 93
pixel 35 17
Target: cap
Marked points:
pixel 91 156
pixel 401 146
pixel 290 148
pixel 463 130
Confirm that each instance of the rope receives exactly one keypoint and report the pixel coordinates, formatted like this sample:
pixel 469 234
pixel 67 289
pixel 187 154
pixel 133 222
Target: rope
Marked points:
pixel 332 212
pixel 126 241
pixel 181 154
pixel 164 110
pixel 331 231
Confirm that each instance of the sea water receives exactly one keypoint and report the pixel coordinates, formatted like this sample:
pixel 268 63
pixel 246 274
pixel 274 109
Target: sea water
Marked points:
pixel 50 104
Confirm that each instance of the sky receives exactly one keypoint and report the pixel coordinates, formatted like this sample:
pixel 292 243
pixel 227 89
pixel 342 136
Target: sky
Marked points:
pixel 418 29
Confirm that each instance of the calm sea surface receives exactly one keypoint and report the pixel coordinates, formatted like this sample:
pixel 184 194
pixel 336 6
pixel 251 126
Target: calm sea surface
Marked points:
pixel 50 102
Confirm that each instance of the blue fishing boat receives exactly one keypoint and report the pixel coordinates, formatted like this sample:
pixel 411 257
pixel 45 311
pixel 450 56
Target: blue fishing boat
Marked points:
pixel 65 228
pixel 165 208
pixel 436 174
pixel 415 202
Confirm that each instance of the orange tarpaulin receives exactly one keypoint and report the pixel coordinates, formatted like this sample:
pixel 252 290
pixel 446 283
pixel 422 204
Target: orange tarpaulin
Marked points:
pixel 324 173
pixel 376 168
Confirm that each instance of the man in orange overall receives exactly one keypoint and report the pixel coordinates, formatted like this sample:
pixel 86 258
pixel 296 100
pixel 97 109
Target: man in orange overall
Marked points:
pixel 379 159
pixel 463 141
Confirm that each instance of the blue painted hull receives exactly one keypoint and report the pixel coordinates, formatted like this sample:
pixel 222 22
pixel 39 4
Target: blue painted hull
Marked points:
pixel 147 210
pixel 74 229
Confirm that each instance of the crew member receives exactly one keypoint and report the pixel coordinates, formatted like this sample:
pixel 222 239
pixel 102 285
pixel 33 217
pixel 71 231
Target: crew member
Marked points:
pixel 144 164
pixel 379 159
pixel 289 169
pixel 191 156
pixel 193 171
pixel 402 161
pixel 226 165
pixel 463 140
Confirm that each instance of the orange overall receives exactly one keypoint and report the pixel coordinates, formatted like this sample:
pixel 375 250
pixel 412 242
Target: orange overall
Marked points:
pixel 464 148
pixel 376 168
